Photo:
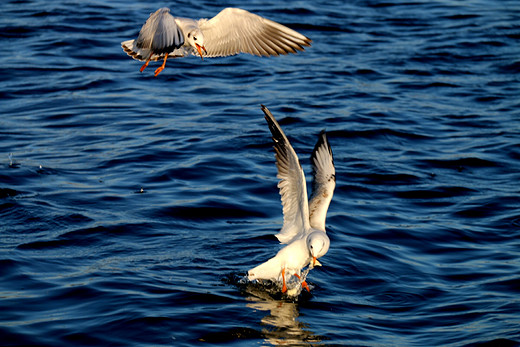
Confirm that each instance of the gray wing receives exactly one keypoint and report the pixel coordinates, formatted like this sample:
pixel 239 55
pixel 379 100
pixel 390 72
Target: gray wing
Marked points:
pixel 323 182
pixel 158 36
pixel 292 184
pixel 234 31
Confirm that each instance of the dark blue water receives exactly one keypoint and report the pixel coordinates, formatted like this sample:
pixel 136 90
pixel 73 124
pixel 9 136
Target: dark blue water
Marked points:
pixel 131 205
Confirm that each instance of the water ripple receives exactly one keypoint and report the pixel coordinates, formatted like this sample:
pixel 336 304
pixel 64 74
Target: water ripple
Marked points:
pixel 131 204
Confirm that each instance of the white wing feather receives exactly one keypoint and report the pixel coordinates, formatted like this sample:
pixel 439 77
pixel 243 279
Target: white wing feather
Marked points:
pixel 234 31
pixel 292 184
pixel 323 182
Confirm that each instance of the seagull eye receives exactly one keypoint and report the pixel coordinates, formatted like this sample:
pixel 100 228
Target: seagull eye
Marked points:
pixel 189 34
pixel 194 38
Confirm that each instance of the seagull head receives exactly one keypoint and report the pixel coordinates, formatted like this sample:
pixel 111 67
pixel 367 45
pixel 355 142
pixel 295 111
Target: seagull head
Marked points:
pixel 196 40
pixel 318 243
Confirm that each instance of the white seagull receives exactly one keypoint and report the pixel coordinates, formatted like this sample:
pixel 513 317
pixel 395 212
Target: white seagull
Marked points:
pixel 304 221
pixel 230 32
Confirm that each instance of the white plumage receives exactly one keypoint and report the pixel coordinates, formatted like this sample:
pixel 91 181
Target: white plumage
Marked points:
pixel 230 32
pixel 303 230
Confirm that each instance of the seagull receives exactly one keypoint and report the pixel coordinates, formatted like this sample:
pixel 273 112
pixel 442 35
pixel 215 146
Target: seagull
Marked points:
pixel 303 229
pixel 230 32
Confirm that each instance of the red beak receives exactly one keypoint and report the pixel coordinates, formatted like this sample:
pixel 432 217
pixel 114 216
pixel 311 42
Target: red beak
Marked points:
pixel 200 48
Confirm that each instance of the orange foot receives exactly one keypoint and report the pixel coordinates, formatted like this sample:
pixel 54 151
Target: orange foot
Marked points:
pixel 160 68
pixel 284 287
pixel 304 284
pixel 145 64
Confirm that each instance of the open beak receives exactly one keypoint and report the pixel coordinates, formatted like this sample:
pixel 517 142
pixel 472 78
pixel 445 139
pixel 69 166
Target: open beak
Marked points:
pixel 200 48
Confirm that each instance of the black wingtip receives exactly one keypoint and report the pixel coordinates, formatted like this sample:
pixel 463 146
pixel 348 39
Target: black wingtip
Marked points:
pixel 322 140
pixel 274 127
pixel 267 113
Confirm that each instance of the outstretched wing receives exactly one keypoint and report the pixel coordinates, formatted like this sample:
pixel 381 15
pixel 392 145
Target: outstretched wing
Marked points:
pixel 158 36
pixel 323 182
pixel 292 185
pixel 234 31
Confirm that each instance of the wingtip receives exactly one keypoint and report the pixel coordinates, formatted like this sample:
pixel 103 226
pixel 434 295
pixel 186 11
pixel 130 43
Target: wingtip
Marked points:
pixel 268 115
pixel 323 140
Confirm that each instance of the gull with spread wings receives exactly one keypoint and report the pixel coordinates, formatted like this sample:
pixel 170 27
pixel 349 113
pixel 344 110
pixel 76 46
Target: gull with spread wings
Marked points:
pixel 303 227
pixel 230 32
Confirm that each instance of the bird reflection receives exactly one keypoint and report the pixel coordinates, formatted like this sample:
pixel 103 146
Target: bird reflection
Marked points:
pixel 281 324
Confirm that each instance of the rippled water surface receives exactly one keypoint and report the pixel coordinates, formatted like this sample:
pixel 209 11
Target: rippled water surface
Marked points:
pixel 132 205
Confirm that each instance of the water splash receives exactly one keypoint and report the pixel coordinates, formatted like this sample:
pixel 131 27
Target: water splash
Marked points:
pixel 295 282
pixel 12 163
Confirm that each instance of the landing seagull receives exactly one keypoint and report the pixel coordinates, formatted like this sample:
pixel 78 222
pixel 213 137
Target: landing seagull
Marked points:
pixel 230 32
pixel 304 221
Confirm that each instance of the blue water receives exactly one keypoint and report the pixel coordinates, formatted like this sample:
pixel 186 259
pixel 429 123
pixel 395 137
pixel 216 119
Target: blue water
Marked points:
pixel 132 206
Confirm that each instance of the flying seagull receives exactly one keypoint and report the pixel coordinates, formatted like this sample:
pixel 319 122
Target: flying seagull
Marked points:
pixel 304 221
pixel 230 32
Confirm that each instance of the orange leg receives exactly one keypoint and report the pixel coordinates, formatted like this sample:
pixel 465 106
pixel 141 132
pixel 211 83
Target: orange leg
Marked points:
pixel 284 287
pixel 304 284
pixel 160 68
pixel 145 64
